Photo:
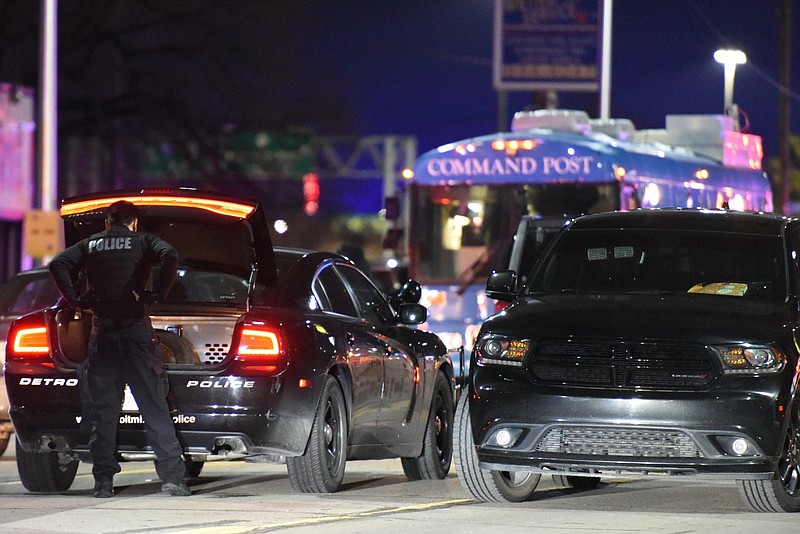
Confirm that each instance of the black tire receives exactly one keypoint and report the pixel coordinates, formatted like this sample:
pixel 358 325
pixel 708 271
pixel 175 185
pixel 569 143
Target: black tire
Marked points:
pixel 193 468
pixel 437 446
pixel 781 494
pixel 577 482
pixel 481 484
pixel 321 468
pixel 45 471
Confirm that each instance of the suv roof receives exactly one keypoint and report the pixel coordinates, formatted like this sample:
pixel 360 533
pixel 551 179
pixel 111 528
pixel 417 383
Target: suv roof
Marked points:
pixel 679 218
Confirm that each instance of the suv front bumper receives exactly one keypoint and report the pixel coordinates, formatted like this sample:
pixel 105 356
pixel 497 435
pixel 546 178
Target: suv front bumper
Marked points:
pixel 521 427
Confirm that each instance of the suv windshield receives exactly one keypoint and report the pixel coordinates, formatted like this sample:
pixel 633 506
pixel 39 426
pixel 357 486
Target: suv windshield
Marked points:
pixel 664 261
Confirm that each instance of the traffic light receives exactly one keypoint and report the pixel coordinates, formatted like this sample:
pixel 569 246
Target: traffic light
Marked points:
pixel 310 193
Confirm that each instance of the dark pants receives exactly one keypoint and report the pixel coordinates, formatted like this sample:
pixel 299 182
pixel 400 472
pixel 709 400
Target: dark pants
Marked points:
pixel 130 356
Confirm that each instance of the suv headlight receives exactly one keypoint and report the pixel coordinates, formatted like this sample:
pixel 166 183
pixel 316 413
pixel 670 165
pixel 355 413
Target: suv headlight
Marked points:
pixel 750 359
pixel 501 350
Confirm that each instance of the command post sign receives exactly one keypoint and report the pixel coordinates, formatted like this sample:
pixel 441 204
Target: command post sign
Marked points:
pixel 547 45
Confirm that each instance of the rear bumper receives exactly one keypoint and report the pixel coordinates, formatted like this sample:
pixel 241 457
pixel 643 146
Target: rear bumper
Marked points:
pixel 225 435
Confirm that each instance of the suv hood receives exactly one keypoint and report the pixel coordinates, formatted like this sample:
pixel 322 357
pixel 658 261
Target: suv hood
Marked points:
pixel 701 318
pixel 230 234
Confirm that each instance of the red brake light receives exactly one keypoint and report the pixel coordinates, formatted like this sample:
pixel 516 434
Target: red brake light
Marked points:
pixel 27 340
pixel 259 349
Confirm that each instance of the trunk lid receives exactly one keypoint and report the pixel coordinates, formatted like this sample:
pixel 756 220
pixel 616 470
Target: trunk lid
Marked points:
pixel 227 264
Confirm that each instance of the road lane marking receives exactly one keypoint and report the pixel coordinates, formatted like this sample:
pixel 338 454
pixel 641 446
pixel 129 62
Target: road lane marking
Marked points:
pixel 326 519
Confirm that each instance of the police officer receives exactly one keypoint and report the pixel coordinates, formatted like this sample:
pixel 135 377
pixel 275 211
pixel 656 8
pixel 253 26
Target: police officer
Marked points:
pixel 123 347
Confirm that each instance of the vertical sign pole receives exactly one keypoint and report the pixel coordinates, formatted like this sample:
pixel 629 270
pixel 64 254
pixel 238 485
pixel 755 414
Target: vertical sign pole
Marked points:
pixel 605 67
pixel 48 145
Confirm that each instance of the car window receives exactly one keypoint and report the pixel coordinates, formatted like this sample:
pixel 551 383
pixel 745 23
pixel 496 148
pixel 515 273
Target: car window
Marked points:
pixel 332 293
pixel 668 261
pixel 25 293
pixel 208 287
pixel 374 307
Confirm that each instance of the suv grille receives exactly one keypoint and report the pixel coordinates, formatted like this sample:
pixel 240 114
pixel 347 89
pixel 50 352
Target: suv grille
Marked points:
pixel 621 364
pixel 601 441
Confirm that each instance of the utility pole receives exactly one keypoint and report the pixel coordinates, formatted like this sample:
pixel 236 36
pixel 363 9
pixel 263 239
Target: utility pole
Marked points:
pixel 48 134
pixel 784 109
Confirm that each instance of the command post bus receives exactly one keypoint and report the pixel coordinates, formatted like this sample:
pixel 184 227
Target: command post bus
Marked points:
pixel 461 207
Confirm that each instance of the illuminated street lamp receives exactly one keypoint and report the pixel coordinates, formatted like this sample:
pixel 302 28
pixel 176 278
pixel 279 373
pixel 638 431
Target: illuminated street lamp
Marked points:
pixel 729 58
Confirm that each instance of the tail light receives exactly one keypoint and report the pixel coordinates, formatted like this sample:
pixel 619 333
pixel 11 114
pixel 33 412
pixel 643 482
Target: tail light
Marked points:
pixel 28 338
pixel 258 347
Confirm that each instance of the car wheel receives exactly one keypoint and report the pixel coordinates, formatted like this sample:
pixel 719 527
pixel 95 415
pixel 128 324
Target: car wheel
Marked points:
pixel 437 446
pixel 45 471
pixel 577 482
pixel 781 494
pixel 193 468
pixel 482 484
pixel 321 468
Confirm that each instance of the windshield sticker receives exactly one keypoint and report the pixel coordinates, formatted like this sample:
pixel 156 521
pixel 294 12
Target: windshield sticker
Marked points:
pixel 732 289
pixel 595 254
pixel 623 252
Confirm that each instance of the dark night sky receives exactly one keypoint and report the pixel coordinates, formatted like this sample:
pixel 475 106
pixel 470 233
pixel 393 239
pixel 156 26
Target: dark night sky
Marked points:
pixel 423 68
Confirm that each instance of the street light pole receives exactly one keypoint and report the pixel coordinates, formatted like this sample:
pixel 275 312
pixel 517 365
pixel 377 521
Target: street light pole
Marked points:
pixel 729 59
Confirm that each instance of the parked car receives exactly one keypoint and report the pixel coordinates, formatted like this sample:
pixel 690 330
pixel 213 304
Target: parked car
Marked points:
pixel 278 355
pixel 651 342
pixel 26 291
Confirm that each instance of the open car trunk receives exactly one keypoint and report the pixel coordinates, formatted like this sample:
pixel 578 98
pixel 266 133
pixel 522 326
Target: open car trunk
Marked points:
pixel 226 263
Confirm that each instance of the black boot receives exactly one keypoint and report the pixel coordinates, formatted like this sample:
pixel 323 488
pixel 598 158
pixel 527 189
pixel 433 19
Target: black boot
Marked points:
pixel 103 487
pixel 176 490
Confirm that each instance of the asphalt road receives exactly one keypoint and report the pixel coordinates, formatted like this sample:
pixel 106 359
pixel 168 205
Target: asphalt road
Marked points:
pixel 238 497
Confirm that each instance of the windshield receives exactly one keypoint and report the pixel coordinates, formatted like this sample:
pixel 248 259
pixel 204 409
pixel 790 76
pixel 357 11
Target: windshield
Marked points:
pixel 664 261
pixel 459 234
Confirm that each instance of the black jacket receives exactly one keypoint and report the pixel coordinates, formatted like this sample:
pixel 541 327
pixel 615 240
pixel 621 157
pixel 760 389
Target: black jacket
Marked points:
pixel 117 263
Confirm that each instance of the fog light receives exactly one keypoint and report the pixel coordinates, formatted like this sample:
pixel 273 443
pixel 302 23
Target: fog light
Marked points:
pixel 739 446
pixel 503 438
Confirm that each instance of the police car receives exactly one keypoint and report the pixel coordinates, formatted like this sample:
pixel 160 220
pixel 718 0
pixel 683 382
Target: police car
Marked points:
pixel 277 355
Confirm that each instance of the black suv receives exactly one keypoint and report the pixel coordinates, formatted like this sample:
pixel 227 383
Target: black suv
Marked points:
pixel 652 342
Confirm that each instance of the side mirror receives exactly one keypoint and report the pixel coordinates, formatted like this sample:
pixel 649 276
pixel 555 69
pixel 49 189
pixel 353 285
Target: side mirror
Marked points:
pixel 413 313
pixel 502 285
pixel 411 292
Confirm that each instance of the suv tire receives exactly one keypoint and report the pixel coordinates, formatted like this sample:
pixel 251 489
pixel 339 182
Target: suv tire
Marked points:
pixel 482 484
pixel 782 493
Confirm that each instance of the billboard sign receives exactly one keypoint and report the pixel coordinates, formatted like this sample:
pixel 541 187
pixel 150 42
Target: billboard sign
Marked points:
pixel 17 140
pixel 547 45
